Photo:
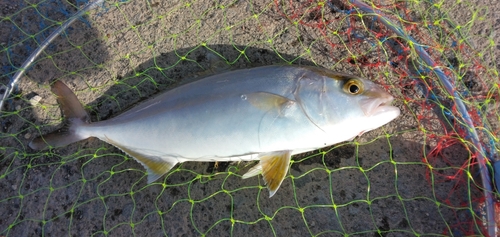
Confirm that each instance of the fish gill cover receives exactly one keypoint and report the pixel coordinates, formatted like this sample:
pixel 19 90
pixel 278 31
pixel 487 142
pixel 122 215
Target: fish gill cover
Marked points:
pixel 419 175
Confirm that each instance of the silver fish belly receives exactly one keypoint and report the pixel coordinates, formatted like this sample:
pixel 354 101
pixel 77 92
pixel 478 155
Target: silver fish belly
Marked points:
pixel 265 113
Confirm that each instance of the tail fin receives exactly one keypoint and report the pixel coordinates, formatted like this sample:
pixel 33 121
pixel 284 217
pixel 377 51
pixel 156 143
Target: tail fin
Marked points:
pixel 74 114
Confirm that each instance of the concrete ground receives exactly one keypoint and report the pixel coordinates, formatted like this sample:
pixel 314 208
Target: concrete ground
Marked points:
pixel 380 184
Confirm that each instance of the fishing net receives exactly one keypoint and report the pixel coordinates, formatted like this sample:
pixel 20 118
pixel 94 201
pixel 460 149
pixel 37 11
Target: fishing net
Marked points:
pixel 418 175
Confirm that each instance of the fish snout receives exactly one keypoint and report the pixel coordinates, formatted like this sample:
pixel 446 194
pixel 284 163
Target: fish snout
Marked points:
pixel 376 101
pixel 377 92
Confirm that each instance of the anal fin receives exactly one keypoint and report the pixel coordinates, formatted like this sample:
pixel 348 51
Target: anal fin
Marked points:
pixel 274 167
pixel 154 165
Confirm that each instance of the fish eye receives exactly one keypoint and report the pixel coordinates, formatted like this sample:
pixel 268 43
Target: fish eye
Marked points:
pixel 353 87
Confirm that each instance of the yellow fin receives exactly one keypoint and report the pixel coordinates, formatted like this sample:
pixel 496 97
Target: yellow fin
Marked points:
pixel 266 101
pixel 154 165
pixel 257 169
pixel 274 166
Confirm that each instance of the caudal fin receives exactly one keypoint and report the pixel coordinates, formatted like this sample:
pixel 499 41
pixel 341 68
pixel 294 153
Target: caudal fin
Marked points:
pixel 74 116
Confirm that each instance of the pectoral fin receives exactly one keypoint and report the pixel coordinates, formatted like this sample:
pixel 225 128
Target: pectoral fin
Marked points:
pixel 155 166
pixel 273 166
pixel 267 101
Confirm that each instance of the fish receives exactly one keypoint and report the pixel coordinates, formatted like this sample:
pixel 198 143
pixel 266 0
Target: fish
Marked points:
pixel 267 114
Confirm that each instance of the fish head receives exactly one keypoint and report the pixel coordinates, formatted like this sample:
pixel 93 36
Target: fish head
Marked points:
pixel 373 101
pixel 344 104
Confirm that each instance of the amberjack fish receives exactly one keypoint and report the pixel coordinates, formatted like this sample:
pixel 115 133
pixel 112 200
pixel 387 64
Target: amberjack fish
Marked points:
pixel 266 113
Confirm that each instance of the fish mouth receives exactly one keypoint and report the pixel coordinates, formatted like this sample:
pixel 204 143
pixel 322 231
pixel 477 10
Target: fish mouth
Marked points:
pixel 385 107
pixel 376 106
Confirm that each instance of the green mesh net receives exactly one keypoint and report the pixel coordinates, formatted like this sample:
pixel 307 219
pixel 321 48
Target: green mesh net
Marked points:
pixel 417 175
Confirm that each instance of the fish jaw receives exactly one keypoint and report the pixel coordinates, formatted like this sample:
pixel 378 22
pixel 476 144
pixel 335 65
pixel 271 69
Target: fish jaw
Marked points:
pixel 377 108
pixel 383 114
